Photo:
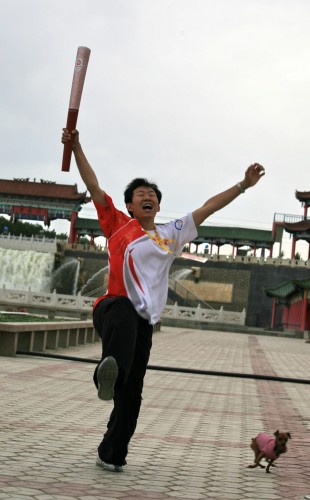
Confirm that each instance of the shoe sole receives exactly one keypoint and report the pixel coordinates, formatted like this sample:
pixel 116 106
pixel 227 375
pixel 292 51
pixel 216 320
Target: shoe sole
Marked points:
pixel 109 467
pixel 106 375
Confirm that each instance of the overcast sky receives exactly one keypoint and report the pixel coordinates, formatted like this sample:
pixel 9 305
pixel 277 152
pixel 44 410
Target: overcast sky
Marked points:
pixel 185 92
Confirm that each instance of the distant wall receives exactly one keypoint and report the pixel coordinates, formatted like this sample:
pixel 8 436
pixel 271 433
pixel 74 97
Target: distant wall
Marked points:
pixel 249 282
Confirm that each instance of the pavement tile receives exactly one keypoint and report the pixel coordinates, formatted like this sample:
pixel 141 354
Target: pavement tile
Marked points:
pixel 193 435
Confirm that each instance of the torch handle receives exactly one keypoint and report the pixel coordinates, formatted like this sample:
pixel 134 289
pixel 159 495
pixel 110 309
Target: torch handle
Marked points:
pixel 67 152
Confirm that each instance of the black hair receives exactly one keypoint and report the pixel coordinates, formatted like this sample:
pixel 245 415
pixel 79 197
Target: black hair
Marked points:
pixel 140 182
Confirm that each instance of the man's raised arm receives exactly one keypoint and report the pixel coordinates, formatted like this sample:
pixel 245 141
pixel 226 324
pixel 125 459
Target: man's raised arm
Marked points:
pixel 252 175
pixel 86 172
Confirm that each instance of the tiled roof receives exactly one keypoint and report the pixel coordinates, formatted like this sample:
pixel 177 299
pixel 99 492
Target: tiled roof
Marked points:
pixel 281 291
pixel 88 226
pixel 302 225
pixel 302 195
pixel 82 223
pixel 305 283
pixel 208 233
pixel 28 188
pixel 288 288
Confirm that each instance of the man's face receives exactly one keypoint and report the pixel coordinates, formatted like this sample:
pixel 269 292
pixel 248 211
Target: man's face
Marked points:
pixel 144 203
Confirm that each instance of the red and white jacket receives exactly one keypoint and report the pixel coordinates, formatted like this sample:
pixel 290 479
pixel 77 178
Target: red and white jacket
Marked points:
pixel 139 261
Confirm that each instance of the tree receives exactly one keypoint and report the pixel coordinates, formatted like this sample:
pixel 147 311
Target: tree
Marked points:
pixel 27 229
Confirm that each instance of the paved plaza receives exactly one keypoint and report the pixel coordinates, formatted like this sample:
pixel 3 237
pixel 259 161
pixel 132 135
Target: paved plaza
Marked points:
pixel 193 435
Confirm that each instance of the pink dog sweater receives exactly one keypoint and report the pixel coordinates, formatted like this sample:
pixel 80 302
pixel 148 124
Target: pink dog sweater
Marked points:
pixel 266 443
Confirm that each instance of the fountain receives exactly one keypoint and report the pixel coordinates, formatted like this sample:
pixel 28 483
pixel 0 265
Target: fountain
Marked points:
pixel 65 278
pixel 179 292
pixel 35 271
pixel 26 269
pixel 181 274
pixel 94 286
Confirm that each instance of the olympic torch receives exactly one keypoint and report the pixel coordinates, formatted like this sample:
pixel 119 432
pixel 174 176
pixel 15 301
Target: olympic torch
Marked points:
pixel 79 74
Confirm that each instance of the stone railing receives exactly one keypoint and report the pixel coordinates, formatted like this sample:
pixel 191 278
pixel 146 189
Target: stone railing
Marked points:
pixel 249 259
pixel 50 246
pixel 54 304
pixel 83 247
pixel 198 314
pixel 43 244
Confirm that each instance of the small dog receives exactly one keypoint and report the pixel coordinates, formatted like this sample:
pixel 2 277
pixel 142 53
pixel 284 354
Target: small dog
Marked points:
pixel 268 447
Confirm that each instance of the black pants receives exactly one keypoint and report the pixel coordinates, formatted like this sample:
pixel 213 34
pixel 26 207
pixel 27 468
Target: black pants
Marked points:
pixel 128 338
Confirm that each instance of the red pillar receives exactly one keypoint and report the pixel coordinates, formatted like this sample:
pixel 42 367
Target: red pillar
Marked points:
pixel 271 250
pixel 305 210
pixel 293 247
pixel 274 310
pixel 286 316
pixel 304 310
pixel 73 232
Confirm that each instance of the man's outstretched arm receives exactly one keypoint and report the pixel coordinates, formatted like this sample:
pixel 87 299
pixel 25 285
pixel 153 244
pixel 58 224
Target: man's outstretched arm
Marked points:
pixel 86 172
pixel 252 175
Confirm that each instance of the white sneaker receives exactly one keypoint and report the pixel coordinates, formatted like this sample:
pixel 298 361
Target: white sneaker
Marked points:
pixel 109 467
pixel 106 375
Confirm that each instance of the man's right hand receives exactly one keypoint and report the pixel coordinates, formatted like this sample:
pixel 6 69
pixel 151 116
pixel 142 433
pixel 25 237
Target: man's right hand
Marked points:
pixel 67 136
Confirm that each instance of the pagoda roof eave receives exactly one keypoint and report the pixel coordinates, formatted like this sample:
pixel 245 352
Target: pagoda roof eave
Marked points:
pixel 302 225
pixel 281 291
pixel 232 235
pixel 288 288
pixel 302 195
pixel 43 189
pixel 303 284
